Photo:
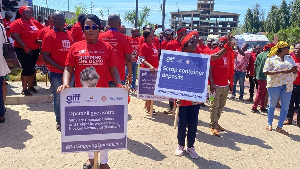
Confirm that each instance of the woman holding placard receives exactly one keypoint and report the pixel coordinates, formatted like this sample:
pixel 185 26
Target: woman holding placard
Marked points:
pixel 149 58
pixel 91 75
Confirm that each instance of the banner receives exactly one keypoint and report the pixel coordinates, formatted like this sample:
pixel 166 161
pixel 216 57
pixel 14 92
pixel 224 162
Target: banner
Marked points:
pixel 183 75
pixel 93 119
pixel 146 85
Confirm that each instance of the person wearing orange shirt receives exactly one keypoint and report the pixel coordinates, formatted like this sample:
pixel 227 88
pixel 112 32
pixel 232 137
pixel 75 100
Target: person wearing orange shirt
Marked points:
pixel 43 31
pixel 24 32
pixel 174 45
pixel 76 29
pixel 121 46
pixel 7 22
pixel 169 33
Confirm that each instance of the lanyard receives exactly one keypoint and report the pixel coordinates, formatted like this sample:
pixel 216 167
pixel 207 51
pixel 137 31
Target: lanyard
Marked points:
pixel 113 29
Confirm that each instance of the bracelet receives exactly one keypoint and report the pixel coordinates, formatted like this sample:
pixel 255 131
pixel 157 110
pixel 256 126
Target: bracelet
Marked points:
pixel 119 85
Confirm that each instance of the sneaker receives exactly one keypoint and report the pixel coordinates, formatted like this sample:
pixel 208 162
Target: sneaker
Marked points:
pixel 179 150
pixel 264 110
pixel 32 89
pixel 192 152
pixel 26 93
pixel 241 98
pixel 232 97
pixel 254 110
pixel 250 100
pixel 2 119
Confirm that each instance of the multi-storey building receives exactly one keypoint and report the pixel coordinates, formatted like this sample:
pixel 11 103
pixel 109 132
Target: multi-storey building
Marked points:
pixel 205 20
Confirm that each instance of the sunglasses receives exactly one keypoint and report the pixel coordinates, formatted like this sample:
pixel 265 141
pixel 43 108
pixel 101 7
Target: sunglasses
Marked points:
pixel 93 27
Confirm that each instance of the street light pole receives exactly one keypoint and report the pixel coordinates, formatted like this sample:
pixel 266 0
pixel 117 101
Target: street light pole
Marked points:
pixel 136 13
pixel 163 15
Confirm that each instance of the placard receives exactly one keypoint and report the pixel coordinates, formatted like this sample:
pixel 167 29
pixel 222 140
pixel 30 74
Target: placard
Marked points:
pixel 93 119
pixel 146 85
pixel 183 75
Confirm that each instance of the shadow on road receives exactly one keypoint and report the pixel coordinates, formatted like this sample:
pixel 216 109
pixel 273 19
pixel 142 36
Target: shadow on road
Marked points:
pixel 144 150
pixel 13 132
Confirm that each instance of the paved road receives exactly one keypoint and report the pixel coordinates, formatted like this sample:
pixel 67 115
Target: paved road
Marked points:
pixel 28 139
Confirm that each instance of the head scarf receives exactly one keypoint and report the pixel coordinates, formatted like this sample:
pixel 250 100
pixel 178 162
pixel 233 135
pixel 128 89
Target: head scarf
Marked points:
pixel 194 33
pixel 184 41
pixel 268 46
pixel 223 38
pixel 279 45
pixel 22 9
pixel 181 30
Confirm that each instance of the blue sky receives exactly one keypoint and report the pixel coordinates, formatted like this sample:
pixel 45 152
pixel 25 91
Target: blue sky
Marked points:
pixel 122 6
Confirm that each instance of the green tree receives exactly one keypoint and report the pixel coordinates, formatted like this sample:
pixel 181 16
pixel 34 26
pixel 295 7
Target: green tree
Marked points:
pixel 295 14
pixel 142 17
pixel 256 19
pixel 248 21
pixel 284 15
pixel 272 21
pixel 78 9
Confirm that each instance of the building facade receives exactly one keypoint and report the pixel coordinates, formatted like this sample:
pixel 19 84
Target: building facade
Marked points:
pixel 205 20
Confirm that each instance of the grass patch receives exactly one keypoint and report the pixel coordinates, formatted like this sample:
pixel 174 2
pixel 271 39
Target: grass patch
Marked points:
pixel 15 75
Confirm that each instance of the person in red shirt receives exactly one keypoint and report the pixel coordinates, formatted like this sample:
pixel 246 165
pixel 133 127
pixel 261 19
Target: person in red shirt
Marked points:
pixel 93 62
pixel 202 47
pixel 156 42
pixel 55 46
pixel 134 43
pixel 149 58
pixel 218 80
pixel 209 45
pixel 250 71
pixel 169 33
pixel 43 31
pixel 76 29
pixel 7 22
pixel 174 45
pixel 24 32
pixel 296 90
pixel 121 46
pixel 37 23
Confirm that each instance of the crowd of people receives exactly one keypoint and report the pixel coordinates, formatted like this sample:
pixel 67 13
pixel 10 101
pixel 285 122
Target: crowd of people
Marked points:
pixel 85 55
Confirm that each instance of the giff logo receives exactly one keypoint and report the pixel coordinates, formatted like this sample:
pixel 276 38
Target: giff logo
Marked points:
pixel 73 98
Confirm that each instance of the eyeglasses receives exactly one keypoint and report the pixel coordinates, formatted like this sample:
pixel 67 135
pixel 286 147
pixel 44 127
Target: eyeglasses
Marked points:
pixel 93 27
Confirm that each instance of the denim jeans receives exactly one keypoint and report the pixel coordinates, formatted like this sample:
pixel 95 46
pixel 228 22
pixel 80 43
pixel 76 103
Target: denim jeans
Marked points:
pixel 274 94
pixel 2 108
pixel 239 76
pixel 134 74
pixel 187 117
pixel 295 96
pixel 56 81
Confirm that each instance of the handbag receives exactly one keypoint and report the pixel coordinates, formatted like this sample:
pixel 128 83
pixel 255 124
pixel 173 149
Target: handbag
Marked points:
pixel 8 50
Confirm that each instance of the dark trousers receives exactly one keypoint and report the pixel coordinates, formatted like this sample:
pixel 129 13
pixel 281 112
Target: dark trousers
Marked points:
pixel 2 108
pixel 295 95
pixel 253 82
pixel 188 117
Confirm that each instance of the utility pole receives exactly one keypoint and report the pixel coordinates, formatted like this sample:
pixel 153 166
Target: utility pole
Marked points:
pixel 163 15
pixel 136 13
pixel 178 19
pixel 68 5
pixel 91 7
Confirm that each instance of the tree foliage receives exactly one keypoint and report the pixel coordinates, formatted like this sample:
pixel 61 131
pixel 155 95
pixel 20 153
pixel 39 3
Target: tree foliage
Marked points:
pixel 284 15
pixel 142 17
pixel 78 9
pixel 295 13
pixel 272 20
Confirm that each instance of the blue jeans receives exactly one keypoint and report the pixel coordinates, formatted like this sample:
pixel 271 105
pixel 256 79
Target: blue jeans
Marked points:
pixel 239 76
pixel 274 94
pixel 187 117
pixel 2 108
pixel 134 74
pixel 56 81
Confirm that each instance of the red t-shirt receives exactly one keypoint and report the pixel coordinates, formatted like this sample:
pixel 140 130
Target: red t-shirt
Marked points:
pixel 163 44
pixel 156 42
pixel 77 32
pixel 28 32
pixel 37 24
pixel 220 70
pixel 250 67
pixel 121 47
pixel 150 53
pixel 42 33
pixel 58 44
pixel 204 49
pixel 92 63
pixel 297 61
pixel 134 43
pixel 6 25
pixel 173 45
